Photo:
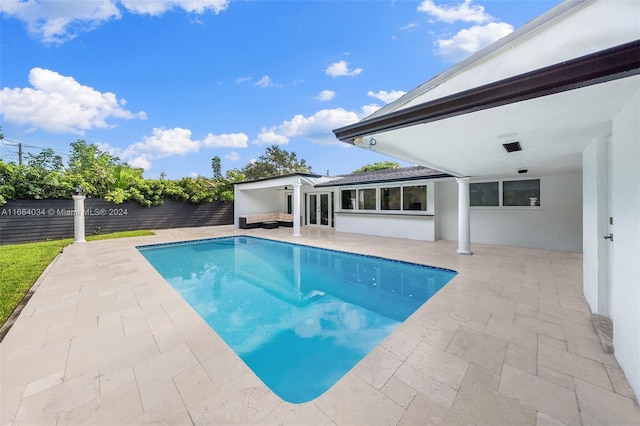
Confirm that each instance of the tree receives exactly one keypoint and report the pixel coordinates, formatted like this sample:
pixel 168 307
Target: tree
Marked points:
pixel 384 165
pixel 275 162
pixel 216 167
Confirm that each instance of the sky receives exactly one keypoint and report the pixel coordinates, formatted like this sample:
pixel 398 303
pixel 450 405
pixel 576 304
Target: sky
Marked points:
pixel 168 85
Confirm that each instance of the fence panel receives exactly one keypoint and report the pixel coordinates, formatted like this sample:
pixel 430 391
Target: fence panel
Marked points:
pixel 38 220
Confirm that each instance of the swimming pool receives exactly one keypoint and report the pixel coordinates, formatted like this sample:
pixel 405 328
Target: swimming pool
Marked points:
pixel 300 317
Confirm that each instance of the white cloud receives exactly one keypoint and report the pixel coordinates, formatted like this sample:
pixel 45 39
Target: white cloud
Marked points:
pixel 232 156
pixel 59 104
pixel 470 40
pixel 265 81
pixel 60 21
pixel 386 97
pixel 316 128
pixel 233 140
pixel 325 96
pixel 158 7
pixel 242 79
pixel 341 68
pixel 464 11
pixel 177 141
pixel 409 26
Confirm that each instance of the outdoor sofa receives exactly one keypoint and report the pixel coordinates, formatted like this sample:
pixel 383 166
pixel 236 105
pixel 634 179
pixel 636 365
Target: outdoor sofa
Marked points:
pixel 257 219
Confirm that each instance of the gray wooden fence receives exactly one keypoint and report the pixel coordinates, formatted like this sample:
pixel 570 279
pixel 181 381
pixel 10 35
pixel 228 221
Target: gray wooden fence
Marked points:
pixel 38 220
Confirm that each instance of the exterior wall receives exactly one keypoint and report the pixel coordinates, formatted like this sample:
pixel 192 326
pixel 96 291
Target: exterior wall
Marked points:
pixel 257 201
pixel 398 226
pixel 556 225
pixel 595 220
pixel 625 206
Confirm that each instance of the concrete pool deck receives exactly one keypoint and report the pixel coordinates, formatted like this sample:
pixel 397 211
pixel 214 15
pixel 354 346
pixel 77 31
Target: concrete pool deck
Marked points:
pixel 105 340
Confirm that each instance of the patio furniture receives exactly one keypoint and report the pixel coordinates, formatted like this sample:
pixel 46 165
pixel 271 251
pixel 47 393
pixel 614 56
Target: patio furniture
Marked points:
pixel 256 220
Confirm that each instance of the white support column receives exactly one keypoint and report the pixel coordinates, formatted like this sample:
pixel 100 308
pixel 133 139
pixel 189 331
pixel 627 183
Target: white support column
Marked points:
pixel 464 216
pixel 296 209
pixel 78 219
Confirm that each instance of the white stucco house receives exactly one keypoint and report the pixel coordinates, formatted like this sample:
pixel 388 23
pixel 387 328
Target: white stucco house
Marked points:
pixel 557 100
pixel 537 142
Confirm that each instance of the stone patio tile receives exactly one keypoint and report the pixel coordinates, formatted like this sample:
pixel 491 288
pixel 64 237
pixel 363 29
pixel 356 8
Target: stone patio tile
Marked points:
pixel 43 383
pixel 590 347
pixel 111 380
pixel 522 358
pixel 163 405
pixel 482 406
pixel 353 401
pixel 546 397
pixel 33 365
pixel 193 385
pixel 115 354
pixel 557 377
pixel 478 348
pixel 510 333
pixel 228 372
pixel 432 334
pixel 443 366
pixel 377 367
pixel 599 406
pixel 300 414
pixel 544 420
pixel 431 387
pixel 574 365
pixel 114 408
pixel 425 411
pixel 203 341
pixel 399 391
pixel 619 381
pixel 497 306
pixel 9 402
pixel 164 366
pixel 539 326
pixel 44 407
pixel 554 343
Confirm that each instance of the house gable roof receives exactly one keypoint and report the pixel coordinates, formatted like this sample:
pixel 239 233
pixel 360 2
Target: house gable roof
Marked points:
pixel 387 175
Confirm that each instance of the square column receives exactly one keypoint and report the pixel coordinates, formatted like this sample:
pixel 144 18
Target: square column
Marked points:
pixel 296 209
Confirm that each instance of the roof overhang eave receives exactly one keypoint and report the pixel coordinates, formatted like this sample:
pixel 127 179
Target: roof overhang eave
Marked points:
pixel 599 67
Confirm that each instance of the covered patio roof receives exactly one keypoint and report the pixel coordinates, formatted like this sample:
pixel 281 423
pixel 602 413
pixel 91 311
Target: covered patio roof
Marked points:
pixel 518 90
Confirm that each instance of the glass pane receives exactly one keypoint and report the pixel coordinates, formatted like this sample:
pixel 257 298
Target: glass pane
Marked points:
pixel 484 194
pixel 312 210
pixel 348 199
pixel 390 198
pixel 324 209
pixel 367 199
pixel 521 193
pixel 289 203
pixel 414 198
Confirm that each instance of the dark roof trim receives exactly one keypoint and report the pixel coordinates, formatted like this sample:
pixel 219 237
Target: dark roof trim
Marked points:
pixel 599 67
pixel 279 177
pixel 367 182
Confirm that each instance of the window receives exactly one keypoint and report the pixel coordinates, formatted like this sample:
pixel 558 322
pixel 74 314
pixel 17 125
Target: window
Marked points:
pixel 414 198
pixel 367 199
pixel 348 199
pixel 508 193
pixel 484 194
pixel 521 193
pixel 390 198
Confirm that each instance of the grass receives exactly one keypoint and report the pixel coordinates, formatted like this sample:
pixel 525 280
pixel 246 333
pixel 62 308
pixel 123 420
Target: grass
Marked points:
pixel 22 264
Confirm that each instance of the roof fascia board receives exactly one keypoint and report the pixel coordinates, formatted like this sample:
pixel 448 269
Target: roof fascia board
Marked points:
pixel 599 67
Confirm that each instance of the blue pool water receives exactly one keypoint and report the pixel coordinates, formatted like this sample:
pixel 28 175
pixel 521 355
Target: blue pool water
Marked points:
pixel 299 317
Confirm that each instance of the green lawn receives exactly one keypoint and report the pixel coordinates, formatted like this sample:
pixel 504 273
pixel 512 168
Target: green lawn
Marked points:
pixel 22 264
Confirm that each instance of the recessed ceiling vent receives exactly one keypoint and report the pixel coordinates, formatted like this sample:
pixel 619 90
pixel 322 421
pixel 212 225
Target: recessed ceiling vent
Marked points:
pixel 512 147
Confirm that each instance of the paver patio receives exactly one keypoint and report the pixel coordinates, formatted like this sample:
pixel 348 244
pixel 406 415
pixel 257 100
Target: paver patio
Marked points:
pixel 105 340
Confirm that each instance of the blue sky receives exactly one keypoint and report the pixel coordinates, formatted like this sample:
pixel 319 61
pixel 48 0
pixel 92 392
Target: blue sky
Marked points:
pixel 167 85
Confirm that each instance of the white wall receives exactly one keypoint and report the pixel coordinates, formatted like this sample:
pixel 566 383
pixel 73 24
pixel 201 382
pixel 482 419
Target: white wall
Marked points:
pixel 625 205
pixel 595 221
pixel 556 225
pixel 397 226
pixel 256 201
